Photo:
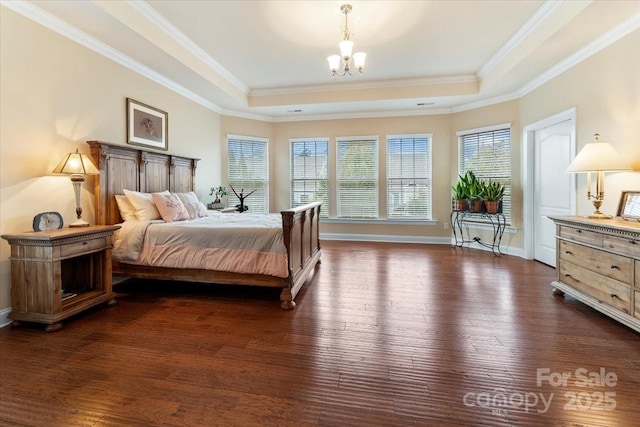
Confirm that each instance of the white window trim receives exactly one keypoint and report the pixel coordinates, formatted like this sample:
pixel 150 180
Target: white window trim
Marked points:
pixel 429 137
pixel 247 138
pixel 339 139
pixel 484 129
pixel 253 139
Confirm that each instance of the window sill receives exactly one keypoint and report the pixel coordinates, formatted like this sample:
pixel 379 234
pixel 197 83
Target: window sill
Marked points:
pixel 387 221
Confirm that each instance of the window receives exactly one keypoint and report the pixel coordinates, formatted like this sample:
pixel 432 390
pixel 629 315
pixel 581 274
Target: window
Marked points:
pixel 357 177
pixel 248 170
pixel 309 175
pixel 409 176
pixel 487 152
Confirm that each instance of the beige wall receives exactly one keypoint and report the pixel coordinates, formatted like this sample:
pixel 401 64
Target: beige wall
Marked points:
pixel 605 89
pixel 56 95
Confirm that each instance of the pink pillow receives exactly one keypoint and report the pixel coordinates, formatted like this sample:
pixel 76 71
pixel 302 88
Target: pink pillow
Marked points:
pixel 170 207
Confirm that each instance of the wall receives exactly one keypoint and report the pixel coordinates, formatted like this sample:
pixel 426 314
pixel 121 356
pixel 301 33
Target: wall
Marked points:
pixel 605 89
pixel 56 95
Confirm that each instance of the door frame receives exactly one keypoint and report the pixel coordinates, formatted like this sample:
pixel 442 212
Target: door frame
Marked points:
pixel 526 174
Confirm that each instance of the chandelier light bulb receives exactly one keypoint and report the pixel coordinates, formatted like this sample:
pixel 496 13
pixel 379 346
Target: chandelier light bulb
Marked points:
pixel 346 51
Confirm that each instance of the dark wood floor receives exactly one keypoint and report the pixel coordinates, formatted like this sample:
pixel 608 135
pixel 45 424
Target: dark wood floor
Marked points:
pixel 383 334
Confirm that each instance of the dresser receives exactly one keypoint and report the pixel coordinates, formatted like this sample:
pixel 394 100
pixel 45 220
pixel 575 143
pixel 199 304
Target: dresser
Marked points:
pixel 598 263
pixel 58 273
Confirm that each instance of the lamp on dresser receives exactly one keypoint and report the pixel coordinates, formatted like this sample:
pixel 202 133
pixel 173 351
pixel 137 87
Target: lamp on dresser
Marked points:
pixel 598 157
pixel 77 165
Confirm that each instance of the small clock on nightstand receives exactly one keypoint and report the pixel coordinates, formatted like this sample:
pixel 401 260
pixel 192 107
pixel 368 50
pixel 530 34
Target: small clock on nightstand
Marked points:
pixel 47 221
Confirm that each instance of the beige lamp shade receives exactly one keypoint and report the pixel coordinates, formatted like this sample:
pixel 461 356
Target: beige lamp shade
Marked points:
pixel 598 156
pixel 76 163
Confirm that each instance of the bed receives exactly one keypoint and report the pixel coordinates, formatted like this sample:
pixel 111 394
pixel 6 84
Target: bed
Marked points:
pixel 124 167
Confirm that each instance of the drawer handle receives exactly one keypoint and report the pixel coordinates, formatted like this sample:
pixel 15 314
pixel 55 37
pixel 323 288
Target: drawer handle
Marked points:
pixel 568 252
pixel 613 267
pixel 632 241
pixel 85 243
pixel 578 231
pixel 612 295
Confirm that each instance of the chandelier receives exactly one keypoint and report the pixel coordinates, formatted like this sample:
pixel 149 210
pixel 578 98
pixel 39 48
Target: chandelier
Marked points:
pixel 346 49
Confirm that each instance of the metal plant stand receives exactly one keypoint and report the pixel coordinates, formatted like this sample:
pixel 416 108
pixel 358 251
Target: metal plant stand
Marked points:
pixel 497 221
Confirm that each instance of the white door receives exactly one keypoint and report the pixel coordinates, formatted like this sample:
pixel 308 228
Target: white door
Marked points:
pixel 553 186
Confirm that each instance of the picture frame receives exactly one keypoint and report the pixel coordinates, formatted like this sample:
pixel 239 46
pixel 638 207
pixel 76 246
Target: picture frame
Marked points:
pixel 147 126
pixel 629 206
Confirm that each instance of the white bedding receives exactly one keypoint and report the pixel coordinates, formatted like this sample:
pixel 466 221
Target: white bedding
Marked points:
pixel 233 242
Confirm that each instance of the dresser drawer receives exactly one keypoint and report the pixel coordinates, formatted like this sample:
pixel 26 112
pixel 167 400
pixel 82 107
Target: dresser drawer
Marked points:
pixel 611 265
pixel 84 247
pixel 609 291
pixel 624 245
pixel 581 235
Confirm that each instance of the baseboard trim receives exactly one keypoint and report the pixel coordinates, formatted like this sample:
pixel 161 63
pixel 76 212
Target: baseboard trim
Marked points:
pixel 4 317
pixel 385 238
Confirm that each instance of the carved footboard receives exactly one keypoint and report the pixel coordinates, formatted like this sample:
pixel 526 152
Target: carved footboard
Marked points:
pixel 301 238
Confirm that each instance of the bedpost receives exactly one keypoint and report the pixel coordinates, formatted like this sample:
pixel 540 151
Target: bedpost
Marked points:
pixel 300 228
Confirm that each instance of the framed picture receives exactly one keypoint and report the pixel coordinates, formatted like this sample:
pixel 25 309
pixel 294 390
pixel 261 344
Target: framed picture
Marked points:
pixel 147 126
pixel 629 207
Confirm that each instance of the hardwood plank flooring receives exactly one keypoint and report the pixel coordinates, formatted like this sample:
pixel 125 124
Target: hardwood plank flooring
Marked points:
pixel 383 335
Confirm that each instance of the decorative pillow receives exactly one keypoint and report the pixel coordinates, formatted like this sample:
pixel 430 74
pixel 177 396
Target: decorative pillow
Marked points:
pixel 143 202
pixel 127 210
pixel 195 208
pixel 170 207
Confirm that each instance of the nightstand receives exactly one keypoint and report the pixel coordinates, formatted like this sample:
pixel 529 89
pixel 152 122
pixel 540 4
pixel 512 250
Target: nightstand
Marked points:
pixel 58 273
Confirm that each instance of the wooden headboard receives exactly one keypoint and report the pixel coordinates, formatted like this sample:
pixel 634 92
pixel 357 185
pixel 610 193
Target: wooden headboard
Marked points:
pixel 123 167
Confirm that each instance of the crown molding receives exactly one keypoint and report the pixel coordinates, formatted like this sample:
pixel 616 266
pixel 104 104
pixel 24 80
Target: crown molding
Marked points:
pixel 185 42
pixel 485 102
pixel 612 36
pixel 370 84
pixel 540 15
pixel 44 18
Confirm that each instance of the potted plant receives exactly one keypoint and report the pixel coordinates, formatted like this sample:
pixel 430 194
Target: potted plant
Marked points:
pixel 475 192
pixel 219 192
pixel 493 194
pixel 460 193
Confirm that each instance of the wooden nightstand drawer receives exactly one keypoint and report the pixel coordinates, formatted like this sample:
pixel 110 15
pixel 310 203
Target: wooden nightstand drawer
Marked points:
pixel 580 235
pixel 609 291
pixel 624 245
pixel 605 263
pixel 81 248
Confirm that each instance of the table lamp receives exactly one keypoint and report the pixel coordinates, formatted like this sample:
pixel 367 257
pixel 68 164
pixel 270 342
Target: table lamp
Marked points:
pixel 77 165
pixel 598 157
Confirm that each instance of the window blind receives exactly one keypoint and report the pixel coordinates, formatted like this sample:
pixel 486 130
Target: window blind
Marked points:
pixel 357 178
pixel 409 177
pixel 248 170
pixel 309 172
pixel 488 155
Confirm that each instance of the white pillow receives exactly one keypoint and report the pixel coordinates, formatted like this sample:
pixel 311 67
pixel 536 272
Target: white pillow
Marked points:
pixel 143 202
pixel 127 210
pixel 189 197
pixel 194 207
pixel 170 207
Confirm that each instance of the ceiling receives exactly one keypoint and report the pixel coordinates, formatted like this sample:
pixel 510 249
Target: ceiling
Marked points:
pixel 267 59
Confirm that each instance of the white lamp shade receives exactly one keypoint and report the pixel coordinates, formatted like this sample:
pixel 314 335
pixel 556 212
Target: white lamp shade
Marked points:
pixel 598 156
pixel 334 62
pixel 346 48
pixel 358 59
